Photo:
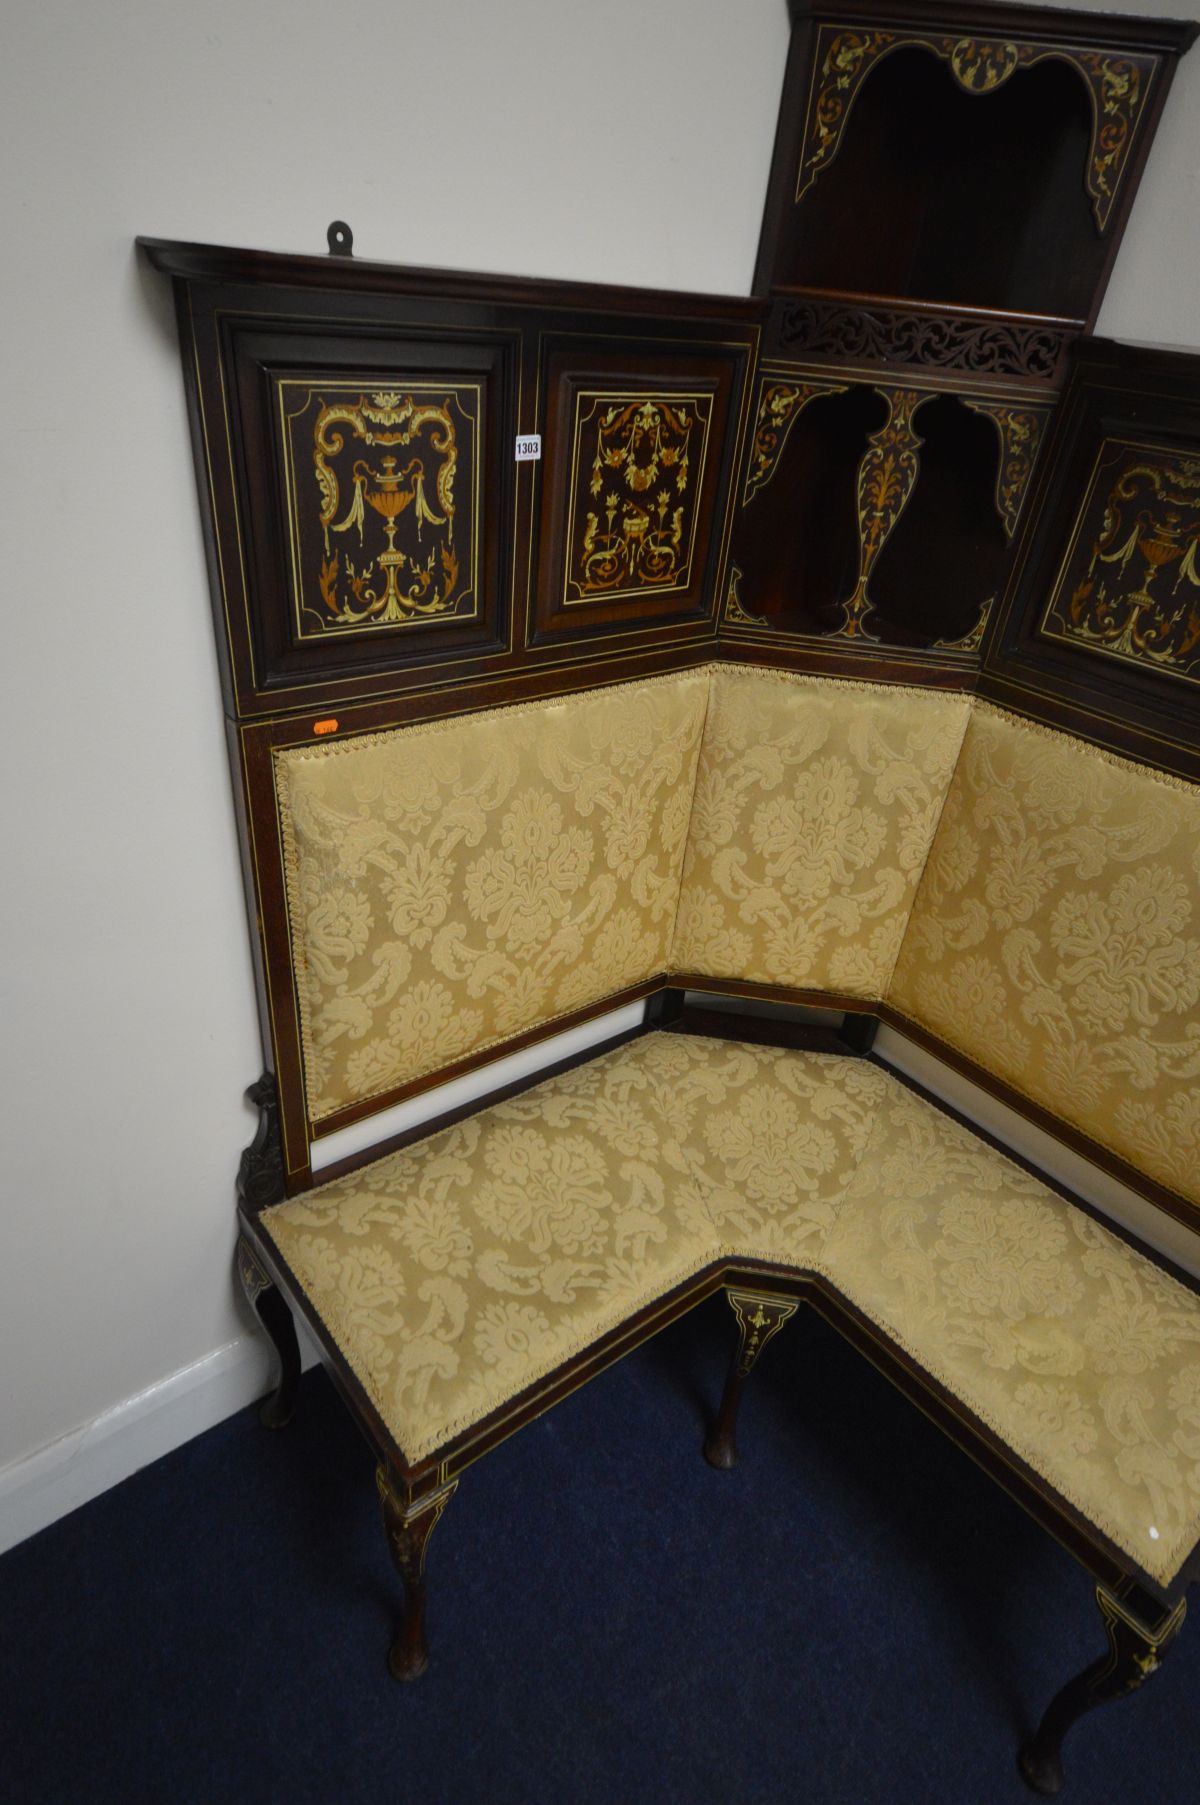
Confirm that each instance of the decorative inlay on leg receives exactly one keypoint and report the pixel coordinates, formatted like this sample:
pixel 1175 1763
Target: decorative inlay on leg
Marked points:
pixel 759 1317
pixel 408 1525
pixel 254 1279
pixel 1135 1651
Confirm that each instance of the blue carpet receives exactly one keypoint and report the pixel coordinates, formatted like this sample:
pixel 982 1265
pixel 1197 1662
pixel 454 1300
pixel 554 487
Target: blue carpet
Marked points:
pixel 855 1614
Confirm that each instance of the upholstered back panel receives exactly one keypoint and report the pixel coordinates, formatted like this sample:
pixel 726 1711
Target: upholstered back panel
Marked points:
pixel 1055 938
pixel 816 803
pixel 454 884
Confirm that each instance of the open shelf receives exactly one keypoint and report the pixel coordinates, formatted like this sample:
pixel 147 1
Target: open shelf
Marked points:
pixel 965 199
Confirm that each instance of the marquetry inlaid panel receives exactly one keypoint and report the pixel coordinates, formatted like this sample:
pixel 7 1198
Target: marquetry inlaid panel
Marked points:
pixel 637 468
pixel 1129 584
pixel 641 446
pixel 383 502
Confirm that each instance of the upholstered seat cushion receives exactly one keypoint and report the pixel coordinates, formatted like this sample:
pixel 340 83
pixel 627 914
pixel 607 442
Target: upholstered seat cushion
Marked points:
pixel 1081 1355
pixel 462 1269
pixel 772 1138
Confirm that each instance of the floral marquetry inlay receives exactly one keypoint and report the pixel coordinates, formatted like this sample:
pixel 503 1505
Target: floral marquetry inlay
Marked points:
pixel 886 476
pixel 843 59
pixel 1020 431
pixel 637 471
pixel 1130 583
pixel 383 500
pixel 780 404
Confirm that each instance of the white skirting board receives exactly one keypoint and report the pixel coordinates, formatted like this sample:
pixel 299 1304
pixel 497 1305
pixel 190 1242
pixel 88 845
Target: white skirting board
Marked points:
pixel 38 1490
pixel 41 1488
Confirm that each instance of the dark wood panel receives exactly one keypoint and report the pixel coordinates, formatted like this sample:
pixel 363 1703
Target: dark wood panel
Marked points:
pixel 963 155
pixel 305 375
pixel 1099 630
pixel 640 442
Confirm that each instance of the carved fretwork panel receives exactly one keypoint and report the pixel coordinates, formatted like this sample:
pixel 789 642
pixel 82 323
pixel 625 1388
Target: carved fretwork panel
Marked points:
pixel 975 344
pixel 1129 586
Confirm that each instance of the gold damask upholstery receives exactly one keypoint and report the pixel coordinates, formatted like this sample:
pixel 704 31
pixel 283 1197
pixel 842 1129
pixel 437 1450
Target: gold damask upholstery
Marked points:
pixel 456 1273
pixel 453 884
pixel 1055 938
pixel 1081 1355
pixel 772 1138
pixel 816 802
pixel 1028 898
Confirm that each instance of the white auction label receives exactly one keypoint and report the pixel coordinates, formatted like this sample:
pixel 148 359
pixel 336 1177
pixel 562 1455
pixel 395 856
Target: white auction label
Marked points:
pixel 529 448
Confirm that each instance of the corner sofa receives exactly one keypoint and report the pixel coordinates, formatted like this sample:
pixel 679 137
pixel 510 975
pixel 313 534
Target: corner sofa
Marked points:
pixel 1022 900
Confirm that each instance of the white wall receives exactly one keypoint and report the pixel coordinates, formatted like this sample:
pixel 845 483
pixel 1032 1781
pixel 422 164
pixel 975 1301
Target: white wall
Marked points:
pixel 625 142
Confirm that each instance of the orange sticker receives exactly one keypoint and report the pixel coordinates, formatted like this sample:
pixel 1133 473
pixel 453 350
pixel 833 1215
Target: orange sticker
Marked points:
pixel 325 726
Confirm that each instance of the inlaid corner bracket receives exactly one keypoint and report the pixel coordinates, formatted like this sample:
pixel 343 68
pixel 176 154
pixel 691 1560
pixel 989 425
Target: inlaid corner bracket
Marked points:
pixel 1135 1650
pixel 759 1318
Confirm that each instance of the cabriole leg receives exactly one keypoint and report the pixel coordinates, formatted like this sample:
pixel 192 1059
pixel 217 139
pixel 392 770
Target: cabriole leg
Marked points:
pixel 1135 1650
pixel 276 1411
pixel 408 1525
pixel 759 1317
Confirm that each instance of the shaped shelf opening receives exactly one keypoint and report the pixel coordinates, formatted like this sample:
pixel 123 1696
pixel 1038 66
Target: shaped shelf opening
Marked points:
pixel 970 178
pixel 877 514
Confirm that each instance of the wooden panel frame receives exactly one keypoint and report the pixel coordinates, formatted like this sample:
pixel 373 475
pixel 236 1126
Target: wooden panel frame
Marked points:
pixel 474 381
pixel 583 379
pixel 226 295
pixel 1115 393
